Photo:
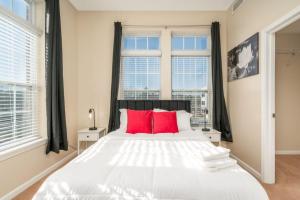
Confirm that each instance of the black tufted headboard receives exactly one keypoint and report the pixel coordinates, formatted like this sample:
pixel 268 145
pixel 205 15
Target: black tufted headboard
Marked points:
pixel 149 105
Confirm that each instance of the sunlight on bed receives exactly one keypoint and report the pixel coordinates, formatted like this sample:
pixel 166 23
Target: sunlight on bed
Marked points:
pixel 92 152
pixel 57 190
pixel 153 153
pixel 116 192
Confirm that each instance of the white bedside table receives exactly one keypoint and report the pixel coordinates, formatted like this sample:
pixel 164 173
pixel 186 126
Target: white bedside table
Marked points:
pixel 86 135
pixel 213 135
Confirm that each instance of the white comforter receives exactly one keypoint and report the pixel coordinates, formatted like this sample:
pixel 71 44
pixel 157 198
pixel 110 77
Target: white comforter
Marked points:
pixel 164 166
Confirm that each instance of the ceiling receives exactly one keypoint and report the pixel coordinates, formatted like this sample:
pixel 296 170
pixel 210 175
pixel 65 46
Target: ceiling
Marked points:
pixel 293 28
pixel 151 5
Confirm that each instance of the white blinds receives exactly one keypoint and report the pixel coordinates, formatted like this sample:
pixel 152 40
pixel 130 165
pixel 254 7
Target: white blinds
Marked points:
pixel 190 82
pixel 140 68
pixel 140 78
pixel 18 84
pixel 190 74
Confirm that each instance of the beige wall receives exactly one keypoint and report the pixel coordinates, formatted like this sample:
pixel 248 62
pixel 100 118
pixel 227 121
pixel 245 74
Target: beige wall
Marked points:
pixel 287 93
pixel 95 45
pixel 19 169
pixel 244 96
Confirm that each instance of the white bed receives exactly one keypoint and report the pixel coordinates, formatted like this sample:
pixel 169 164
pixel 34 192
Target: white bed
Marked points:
pixel 143 166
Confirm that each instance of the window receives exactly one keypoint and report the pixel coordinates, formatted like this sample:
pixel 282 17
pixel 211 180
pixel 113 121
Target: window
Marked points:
pixel 140 67
pixel 190 73
pixel 18 83
pixel 20 8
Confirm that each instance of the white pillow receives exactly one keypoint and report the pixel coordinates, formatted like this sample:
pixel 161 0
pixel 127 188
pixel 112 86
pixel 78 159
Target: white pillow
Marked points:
pixel 183 119
pixel 123 120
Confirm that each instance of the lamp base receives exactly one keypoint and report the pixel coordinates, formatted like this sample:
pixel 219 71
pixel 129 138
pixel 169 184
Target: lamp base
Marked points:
pixel 205 129
pixel 92 128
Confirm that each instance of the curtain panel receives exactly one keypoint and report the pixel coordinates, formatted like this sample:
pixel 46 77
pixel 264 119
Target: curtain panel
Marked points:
pixel 55 103
pixel 220 116
pixel 115 75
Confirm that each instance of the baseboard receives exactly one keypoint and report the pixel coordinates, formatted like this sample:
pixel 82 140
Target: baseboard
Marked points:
pixel 38 177
pixel 247 167
pixel 288 152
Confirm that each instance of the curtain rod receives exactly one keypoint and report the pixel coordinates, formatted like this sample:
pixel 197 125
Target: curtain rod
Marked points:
pixel 165 26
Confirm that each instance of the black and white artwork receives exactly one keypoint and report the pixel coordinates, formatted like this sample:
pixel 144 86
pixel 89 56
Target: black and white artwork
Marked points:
pixel 243 60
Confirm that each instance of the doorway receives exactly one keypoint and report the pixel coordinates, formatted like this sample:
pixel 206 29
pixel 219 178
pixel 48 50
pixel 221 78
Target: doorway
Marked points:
pixel 287 109
pixel 267 57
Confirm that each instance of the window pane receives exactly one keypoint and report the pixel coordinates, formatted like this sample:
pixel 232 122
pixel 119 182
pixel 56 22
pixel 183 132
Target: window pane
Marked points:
pixel 142 79
pixel 22 9
pixel 18 84
pixel 201 81
pixel 141 43
pixel 189 43
pixel 189 65
pixel 201 65
pixel 154 81
pixel 201 43
pixel 190 68
pixel 141 65
pixel 177 43
pixel 154 65
pixel 140 75
pixel 129 81
pixel 153 43
pixel 129 65
pixel 153 95
pixel 129 43
pixel 190 82
pixel 7 4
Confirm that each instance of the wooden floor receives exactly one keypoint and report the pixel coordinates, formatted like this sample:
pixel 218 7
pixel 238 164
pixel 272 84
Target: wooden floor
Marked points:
pixel 287 185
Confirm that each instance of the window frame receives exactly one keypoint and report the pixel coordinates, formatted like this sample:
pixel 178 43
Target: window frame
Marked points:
pixel 196 53
pixel 31 4
pixel 30 25
pixel 140 53
pixel 15 148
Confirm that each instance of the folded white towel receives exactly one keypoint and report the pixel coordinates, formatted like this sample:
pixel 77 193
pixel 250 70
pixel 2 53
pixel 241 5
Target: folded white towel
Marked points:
pixel 218 163
pixel 213 153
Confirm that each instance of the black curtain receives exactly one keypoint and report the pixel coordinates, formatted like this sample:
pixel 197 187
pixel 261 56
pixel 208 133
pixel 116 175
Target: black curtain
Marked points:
pixel 220 116
pixel 55 103
pixel 115 75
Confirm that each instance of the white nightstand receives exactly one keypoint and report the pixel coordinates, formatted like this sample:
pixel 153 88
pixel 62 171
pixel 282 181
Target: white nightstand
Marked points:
pixel 86 135
pixel 213 135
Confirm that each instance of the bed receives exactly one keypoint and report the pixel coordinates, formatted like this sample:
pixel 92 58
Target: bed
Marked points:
pixel 148 166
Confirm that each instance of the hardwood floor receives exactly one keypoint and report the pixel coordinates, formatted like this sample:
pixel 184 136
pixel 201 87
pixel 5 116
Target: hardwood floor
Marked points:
pixel 287 185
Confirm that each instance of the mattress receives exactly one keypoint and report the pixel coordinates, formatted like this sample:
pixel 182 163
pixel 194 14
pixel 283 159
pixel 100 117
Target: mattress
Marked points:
pixel 144 166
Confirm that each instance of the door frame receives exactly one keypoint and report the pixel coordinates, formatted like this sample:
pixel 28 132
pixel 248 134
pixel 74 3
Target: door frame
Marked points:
pixel 267 39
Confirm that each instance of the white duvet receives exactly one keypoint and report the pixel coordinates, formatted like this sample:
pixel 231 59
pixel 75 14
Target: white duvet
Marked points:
pixel 148 167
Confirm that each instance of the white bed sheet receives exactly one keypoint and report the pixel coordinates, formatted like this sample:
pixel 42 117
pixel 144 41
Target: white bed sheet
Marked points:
pixel 148 167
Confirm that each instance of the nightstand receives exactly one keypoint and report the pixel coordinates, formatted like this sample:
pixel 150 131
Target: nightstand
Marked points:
pixel 86 135
pixel 213 135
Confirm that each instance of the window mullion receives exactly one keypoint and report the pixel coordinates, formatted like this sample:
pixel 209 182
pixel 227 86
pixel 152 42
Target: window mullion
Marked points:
pixel 135 84
pixel 147 74
pixel 14 111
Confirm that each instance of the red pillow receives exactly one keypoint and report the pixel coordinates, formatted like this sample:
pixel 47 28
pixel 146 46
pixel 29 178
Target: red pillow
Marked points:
pixel 165 122
pixel 139 121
